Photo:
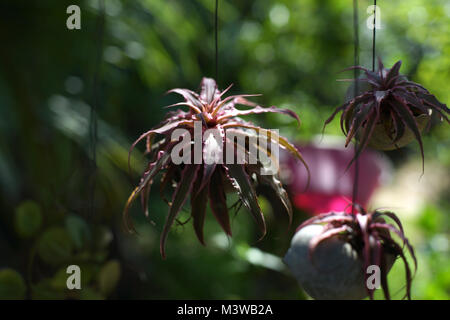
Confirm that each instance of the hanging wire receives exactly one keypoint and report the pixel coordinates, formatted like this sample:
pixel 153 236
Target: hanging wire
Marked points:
pixel 355 75
pixel 216 27
pixel 374 33
pixel 93 135
pixel 355 93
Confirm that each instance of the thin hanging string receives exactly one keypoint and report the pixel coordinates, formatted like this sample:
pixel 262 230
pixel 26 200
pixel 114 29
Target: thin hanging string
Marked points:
pixel 95 103
pixel 374 33
pixel 355 75
pixel 216 27
pixel 355 93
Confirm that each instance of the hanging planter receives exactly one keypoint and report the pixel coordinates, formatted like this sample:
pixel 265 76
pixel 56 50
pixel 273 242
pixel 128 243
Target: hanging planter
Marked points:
pixel 383 132
pixel 330 254
pixel 391 111
pixel 210 178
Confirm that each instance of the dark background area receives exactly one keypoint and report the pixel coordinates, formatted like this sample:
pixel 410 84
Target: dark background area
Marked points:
pixel 56 209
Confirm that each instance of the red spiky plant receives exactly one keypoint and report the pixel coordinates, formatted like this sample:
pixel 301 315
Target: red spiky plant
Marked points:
pixel 388 109
pixel 370 235
pixel 209 182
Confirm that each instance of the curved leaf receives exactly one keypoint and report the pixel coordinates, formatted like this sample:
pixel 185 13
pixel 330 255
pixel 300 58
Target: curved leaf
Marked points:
pixel 408 118
pixel 209 90
pixel 273 136
pixel 189 95
pixel 393 72
pixel 247 193
pixel 155 167
pixel 398 125
pixel 165 128
pixel 199 199
pixel 179 198
pixel 358 120
pixel 188 104
pixel 257 110
pixel 218 201
pixel 274 182
pixel 368 129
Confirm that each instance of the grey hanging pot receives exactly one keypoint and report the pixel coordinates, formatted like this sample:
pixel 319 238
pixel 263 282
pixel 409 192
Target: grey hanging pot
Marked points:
pixel 330 260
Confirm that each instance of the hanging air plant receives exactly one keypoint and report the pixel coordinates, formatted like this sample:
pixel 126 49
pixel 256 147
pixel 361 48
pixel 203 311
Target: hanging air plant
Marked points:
pixel 210 178
pixel 390 112
pixel 330 253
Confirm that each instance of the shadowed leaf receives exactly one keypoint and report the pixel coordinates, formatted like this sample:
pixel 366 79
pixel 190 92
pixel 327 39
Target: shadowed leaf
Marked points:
pixel 247 194
pixel 179 198
pixel 218 202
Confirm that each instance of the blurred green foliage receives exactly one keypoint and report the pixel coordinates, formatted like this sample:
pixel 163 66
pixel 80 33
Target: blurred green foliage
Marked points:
pixel 291 51
pixel 28 219
pixel 12 285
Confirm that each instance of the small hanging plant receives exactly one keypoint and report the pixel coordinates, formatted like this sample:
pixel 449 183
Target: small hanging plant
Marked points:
pixel 330 253
pixel 211 178
pixel 390 112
